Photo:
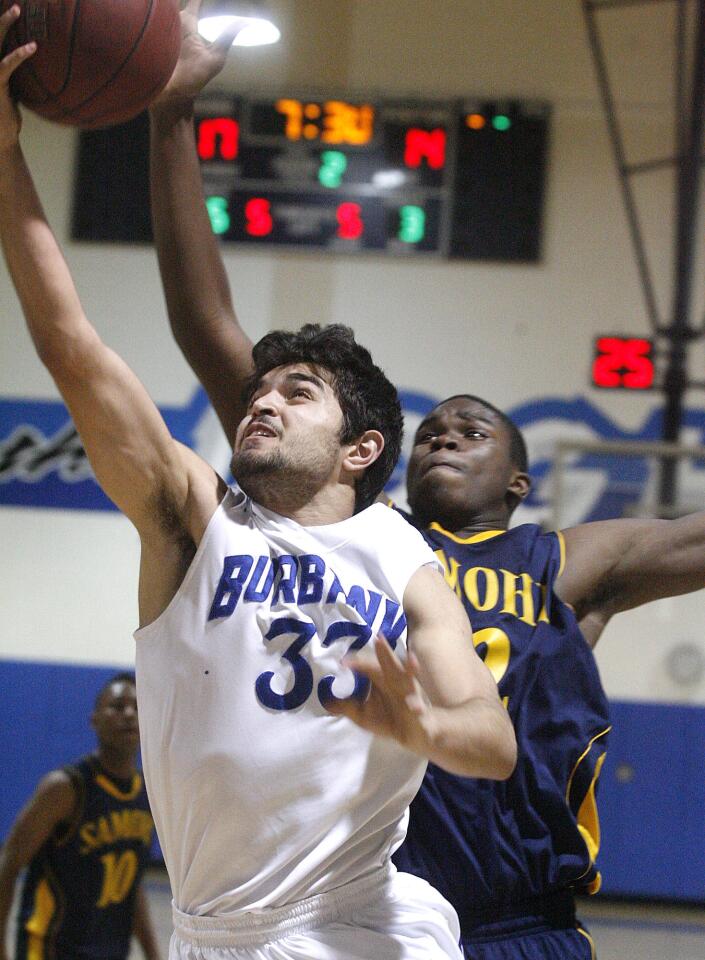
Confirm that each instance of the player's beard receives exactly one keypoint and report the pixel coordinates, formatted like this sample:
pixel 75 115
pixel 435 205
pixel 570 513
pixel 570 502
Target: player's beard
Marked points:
pixel 288 480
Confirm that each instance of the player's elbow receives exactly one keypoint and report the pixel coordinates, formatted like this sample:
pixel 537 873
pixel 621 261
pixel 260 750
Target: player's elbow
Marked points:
pixel 64 354
pixel 506 754
pixel 499 753
pixel 486 748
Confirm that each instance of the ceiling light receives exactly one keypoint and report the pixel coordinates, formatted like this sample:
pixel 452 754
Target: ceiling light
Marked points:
pixel 256 31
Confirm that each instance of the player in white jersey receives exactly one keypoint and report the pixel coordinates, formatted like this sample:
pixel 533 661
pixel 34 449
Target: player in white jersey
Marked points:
pixel 311 593
pixel 279 777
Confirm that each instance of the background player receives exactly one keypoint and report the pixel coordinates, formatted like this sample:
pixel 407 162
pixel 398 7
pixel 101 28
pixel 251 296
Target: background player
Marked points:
pixel 84 837
pixel 276 814
pixel 508 855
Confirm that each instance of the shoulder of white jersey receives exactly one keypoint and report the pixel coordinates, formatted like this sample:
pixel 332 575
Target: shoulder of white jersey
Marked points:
pixel 401 535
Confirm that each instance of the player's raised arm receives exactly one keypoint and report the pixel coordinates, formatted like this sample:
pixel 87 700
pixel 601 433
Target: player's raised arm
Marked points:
pixel 135 459
pixel 615 565
pixel 442 702
pixel 195 284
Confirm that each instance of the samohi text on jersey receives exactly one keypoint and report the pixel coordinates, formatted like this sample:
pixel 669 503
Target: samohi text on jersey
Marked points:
pixel 497 591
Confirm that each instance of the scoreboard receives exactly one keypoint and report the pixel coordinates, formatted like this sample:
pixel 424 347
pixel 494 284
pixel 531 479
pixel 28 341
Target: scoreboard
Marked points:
pixel 624 363
pixel 452 179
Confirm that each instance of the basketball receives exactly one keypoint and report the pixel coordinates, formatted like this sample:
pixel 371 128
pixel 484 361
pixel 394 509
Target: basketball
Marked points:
pixel 98 62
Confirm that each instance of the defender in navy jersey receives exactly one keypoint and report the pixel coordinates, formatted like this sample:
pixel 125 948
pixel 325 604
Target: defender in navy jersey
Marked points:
pixel 508 860
pixel 85 837
pixel 511 856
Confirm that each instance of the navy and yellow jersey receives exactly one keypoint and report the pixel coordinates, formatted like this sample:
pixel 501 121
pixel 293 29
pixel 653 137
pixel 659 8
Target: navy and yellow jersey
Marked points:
pixel 78 898
pixel 503 849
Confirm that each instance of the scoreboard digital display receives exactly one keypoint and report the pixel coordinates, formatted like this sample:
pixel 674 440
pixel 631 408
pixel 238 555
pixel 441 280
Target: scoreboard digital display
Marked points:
pixel 452 179
pixel 623 363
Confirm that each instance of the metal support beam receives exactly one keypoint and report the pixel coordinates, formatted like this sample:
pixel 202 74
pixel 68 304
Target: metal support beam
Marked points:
pixel 689 121
pixel 589 9
pixel 679 332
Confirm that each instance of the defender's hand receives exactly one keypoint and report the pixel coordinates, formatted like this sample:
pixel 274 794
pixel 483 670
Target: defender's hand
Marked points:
pixel 199 61
pixel 397 706
pixel 10 121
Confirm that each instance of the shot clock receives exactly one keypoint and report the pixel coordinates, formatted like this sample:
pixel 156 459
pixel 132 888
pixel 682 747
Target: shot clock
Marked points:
pixel 452 179
pixel 623 363
pixel 330 121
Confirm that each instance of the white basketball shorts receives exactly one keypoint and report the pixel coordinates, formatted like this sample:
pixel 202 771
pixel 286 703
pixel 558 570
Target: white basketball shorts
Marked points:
pixel 385 916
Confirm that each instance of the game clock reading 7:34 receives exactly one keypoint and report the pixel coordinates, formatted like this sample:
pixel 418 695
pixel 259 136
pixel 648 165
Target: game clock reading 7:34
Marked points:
pixel 450 179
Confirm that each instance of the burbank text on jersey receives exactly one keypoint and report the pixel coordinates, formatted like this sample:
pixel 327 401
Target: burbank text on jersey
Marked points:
pixel 300 581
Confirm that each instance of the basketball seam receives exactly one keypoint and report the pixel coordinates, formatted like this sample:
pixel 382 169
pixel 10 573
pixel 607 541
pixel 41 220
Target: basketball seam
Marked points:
pixel 96 118
pixel 50 94
pixel 72 43
pixel 78 106
pixel 64 111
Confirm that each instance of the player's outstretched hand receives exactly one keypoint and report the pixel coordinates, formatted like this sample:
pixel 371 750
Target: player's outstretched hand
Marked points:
pixel 396 705
pixel 10 120
pixel 199 61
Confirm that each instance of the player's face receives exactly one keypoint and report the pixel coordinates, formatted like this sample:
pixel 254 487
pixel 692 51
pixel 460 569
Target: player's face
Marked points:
pixel 115 718
pixel 460 469
pixel 289 441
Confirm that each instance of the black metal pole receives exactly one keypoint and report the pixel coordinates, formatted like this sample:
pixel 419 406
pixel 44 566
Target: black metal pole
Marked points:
pixel 679 332
pixel 603 83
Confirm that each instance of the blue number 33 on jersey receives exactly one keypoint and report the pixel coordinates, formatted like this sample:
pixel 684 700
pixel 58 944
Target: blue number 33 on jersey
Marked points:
pixel 303 632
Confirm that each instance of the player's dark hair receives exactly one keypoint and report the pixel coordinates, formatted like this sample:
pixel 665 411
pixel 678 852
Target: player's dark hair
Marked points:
pixel 518 453
pixel 367 398
pixel 125 676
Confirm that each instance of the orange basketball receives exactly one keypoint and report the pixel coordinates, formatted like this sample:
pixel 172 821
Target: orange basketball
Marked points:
pixel 98 62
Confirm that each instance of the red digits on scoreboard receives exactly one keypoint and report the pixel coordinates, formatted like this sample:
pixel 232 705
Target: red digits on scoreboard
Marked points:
pixel 218 132
pixel 350 224
pixel 258 218
pixel 640 365
pixel 428 145
pixel 623 362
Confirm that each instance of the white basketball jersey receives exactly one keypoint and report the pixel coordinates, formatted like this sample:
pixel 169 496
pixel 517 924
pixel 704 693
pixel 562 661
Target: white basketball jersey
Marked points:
pixel 260 796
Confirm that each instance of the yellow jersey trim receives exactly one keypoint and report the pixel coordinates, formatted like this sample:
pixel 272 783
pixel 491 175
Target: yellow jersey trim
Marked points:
pixel 580 759
pixel 114 791
pixel 561 544
pixel 38 924
pixel 588 810
pixel 35 947
pixel 474 538
pixel 589 824
pixel 589 939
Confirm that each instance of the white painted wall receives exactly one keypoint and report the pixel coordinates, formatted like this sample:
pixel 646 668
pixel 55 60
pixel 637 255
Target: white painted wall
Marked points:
pixel 510 333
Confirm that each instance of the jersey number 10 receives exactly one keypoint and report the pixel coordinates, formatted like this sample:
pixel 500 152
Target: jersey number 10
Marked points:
pixel 119 872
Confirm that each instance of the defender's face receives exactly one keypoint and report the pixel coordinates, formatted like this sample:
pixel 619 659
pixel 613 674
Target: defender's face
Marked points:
pixel 292 427
pixel 460 464
pixel 115 718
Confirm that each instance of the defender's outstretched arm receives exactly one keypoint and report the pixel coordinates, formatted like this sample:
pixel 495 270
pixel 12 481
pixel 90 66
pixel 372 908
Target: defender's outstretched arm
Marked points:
pixel 615 565
pixel 196 287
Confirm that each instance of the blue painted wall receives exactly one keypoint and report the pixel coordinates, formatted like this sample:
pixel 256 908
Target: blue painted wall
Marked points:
pixel 652 802
pixel 45 720
pixel 651 794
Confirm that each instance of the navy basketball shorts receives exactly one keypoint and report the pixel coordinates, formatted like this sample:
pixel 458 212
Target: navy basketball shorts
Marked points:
pixel 529 939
